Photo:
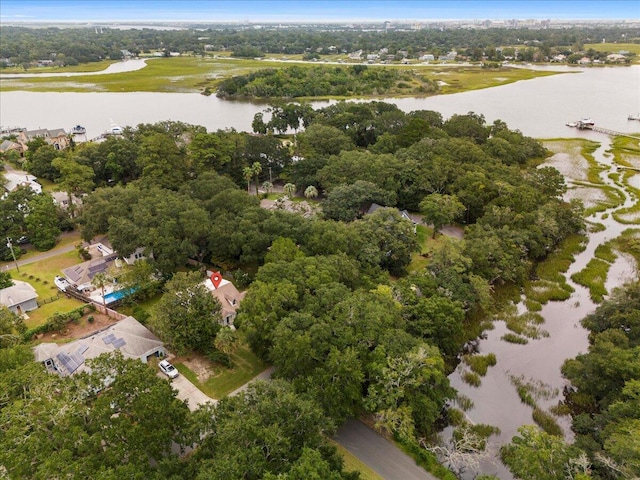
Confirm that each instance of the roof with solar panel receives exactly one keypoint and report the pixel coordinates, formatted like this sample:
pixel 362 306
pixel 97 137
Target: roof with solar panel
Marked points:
pixel 128 336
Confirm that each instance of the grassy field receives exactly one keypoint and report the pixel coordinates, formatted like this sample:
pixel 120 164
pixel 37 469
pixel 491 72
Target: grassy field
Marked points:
pixel 226 380
pixel 428 246
pixel 83 67
pixel 614 47
pixel 194 74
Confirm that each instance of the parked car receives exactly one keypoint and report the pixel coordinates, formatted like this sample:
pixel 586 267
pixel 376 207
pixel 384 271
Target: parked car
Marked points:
pixel 22 240
pixel 168 369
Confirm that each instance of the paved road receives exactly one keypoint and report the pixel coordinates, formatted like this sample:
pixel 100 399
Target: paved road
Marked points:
pixel 42 256
pixel 378 453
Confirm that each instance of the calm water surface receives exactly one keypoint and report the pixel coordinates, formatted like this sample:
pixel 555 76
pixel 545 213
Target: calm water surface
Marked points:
pixel 539 108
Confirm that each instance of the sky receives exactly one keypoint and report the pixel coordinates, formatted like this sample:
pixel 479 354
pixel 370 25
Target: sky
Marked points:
pixel 311 10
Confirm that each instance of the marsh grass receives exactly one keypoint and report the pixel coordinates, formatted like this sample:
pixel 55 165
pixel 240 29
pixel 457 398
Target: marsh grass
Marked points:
pixel 197 74
pixel 605 252
pixel 471 378
pixel 546 422
pixel 513 338
pixel 594 276
pixel 629 242
pixel 480 363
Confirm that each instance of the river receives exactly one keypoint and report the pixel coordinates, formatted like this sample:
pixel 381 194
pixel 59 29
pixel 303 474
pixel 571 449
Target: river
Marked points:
pixel 538 107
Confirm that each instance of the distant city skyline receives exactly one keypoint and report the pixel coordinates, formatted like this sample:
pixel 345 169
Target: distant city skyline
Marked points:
pixel 288 11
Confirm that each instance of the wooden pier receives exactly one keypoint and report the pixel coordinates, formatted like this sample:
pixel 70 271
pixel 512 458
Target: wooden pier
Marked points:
pixel 606 131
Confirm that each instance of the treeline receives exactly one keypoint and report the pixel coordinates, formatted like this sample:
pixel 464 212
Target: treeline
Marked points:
pixel 603 400
pixel 24 45
pixel 293 82
pixel 330 304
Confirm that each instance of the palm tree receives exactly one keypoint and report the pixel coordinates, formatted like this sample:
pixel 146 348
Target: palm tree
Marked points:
pixel 289 189
pixel 311 192
pixel 226 340
pixel 247 173
pixel 267 186
pixel 101 280
pixel 256 168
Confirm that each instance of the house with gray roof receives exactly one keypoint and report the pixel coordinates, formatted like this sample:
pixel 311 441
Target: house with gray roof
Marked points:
pixel 16 179
pixel 19 298
pixel 56 137
pixel 128 336
pixel 82 274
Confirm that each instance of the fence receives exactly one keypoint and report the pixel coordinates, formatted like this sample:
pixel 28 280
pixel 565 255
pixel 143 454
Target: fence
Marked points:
pixel 47 300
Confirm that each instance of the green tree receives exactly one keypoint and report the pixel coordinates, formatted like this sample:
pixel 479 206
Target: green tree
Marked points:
pixel 5 280
pixel 11 325
pixel 42 222
pixel 75 179
pixel 311 192
pixel 387 239
pixel 226 340
pixel 101 280
pixel 263 431
pixel 536 455
pixel 81 428
pixel 347 202
pixel 188 315
pixel 256 168
pixel 289 189
pixel 162 162
pixel 440 210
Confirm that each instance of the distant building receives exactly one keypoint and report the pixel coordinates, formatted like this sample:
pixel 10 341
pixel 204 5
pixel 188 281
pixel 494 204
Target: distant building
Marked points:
pixel 57 137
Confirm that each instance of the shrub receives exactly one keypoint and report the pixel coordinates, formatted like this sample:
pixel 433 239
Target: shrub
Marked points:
pixel 141 314
pixel 90 319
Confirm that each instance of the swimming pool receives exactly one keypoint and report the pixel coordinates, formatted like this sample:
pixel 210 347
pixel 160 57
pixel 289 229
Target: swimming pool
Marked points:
pixel 117 295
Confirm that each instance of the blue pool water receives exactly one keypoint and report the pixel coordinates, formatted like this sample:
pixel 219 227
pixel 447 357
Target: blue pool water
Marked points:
pixel 113 296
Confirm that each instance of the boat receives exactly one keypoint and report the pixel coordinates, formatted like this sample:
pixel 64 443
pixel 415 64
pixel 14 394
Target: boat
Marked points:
pixel 61 283
pixel 571 124
pixel 587 121
pixel 78 130
pixel 634 117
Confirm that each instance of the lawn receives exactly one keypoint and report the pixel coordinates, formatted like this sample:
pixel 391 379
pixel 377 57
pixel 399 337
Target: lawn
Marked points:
pixel 40 275
pixel 225 380
pixel 428 246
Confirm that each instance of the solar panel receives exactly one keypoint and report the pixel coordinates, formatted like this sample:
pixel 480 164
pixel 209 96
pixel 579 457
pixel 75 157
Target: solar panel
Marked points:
pixel 83 347
pixel 70 364
pixel 119 342
pixel 109 338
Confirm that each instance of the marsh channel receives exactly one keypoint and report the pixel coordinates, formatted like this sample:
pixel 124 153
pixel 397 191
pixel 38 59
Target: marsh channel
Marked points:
pixel 539 108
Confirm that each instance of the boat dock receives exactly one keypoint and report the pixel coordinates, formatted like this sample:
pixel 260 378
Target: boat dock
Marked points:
pixel 590 126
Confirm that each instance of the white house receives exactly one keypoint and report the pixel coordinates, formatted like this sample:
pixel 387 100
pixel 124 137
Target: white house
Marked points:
pixel 19 298
pixel 14 180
